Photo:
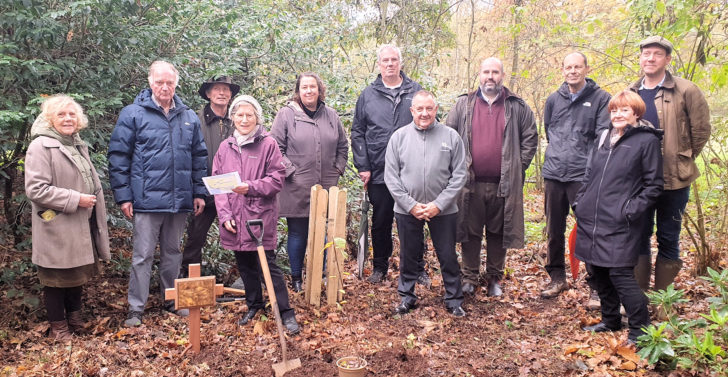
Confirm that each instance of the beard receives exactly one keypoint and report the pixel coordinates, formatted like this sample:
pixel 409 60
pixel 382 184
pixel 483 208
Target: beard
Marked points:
pixel 492 91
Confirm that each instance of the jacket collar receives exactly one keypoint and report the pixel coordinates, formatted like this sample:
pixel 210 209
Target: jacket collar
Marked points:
pixel 589 87
pixel 406 82
pixel 144 99
pixel 669 82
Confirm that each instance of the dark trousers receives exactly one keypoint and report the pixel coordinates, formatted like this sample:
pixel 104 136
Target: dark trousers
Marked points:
pixel 558 197
pixel 197 228
pixel 252 276
pixel 442 231
pixel 617 285
pixel 382 218
pixel 485 209
pixel 297 240
pixel 59 301
pixel 668 211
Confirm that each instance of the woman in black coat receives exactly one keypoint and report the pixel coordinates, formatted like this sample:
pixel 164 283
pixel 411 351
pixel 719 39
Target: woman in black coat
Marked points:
pixel 622 181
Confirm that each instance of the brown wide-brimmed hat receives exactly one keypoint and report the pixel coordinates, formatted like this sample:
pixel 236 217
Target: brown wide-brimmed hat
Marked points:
pixel 235 88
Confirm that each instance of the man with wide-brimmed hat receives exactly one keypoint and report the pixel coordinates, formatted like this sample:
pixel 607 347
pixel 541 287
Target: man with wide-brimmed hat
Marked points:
pixel 216 127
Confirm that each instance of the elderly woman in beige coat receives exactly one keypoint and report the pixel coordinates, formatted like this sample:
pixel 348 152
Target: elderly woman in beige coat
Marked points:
pixel 70 235
pixel 314 147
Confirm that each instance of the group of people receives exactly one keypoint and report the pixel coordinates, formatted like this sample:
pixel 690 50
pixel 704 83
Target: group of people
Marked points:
pixel 615 161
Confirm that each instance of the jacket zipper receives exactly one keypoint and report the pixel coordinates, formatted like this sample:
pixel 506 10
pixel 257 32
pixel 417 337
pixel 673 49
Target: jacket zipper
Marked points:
pixel 599 190
pixel 174 168
pixel 424 159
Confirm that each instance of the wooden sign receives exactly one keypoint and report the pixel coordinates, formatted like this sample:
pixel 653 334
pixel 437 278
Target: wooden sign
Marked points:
pixel 193 293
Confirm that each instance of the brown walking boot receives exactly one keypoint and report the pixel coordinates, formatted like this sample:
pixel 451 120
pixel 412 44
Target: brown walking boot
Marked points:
pixel 60 331
pixel 75 322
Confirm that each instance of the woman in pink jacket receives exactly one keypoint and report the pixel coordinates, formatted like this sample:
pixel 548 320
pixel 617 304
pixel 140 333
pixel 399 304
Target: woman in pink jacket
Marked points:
pixel 258 161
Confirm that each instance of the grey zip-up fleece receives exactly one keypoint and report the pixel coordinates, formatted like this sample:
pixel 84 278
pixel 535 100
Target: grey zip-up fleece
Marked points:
pixel 423 166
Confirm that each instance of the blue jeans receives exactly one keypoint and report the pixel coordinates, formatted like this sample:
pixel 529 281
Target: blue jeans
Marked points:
pixel 668 211
pixel 297 240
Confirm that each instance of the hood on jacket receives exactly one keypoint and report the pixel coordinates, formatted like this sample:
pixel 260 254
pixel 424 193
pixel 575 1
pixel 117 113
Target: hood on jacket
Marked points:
pixel 406 82
pixel 589 88
pixel 643 125
pixel 144 99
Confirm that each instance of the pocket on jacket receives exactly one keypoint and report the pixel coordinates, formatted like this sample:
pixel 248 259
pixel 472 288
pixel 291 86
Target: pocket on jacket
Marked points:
pixel 685 164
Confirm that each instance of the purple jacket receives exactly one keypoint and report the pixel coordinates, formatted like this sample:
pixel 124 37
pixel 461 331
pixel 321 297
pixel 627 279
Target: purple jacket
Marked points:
pixel 260 165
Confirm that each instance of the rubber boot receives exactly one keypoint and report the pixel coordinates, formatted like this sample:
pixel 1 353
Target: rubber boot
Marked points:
pixel 60 331
pixel 643 271
pixel 665 272
pixel 75 322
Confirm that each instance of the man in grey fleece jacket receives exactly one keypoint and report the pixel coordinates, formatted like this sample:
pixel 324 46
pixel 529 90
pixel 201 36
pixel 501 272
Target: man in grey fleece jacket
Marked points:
pixel 424 171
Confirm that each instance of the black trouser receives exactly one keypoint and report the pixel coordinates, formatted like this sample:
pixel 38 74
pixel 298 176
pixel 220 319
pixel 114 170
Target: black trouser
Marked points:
pixel 442 231
pixel 252 276
pixel 617 285
pixel 558 197
pixel 197 228
pixel 59 301
pixel 382 217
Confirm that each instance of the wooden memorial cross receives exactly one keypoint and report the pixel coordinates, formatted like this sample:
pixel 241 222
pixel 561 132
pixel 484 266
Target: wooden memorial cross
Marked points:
pixel 193 293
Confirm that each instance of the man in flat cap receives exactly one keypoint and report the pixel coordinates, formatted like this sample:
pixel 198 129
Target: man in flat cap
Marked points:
pixel 678 107
pixel 216 126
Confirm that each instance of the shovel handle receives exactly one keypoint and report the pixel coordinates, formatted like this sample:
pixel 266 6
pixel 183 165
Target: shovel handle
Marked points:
pixel 253 223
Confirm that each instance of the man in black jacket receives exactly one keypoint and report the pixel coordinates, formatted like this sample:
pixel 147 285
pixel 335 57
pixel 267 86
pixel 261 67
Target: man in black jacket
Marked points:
pixel 573 117
pixel 216 126
pixel 382 108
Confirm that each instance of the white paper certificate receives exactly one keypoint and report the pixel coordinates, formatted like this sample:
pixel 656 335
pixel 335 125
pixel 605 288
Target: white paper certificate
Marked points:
pixel 222 184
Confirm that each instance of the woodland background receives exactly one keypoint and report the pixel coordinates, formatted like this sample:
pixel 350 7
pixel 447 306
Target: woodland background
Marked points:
pixel 99 50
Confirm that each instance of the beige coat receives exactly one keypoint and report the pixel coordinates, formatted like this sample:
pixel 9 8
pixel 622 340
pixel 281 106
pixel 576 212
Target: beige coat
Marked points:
pixel 52 181
pixel 685 117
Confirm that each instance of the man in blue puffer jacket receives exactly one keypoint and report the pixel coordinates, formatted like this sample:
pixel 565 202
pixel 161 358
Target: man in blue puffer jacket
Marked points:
pixel 157 158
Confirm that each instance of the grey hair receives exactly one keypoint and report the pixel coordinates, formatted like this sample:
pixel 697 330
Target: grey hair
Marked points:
pixel 245 99
pixel 425 94
pixel 389 46
pixel 157 64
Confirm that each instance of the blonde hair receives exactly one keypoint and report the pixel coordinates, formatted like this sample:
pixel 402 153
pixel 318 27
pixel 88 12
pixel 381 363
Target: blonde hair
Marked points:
pixel 53 104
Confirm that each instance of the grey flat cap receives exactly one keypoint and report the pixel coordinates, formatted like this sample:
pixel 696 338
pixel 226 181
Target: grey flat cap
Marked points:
pixel 658 41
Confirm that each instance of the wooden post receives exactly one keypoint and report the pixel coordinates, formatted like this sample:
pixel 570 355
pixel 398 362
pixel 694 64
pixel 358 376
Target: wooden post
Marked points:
pixel 317 251
pixel 309 245
pixel 335 236
pixel 193 293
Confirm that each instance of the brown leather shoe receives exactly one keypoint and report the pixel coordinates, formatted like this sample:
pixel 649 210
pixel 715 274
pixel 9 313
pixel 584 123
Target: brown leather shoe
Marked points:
pixel 554 288
pixel 75 322
pixel 60 331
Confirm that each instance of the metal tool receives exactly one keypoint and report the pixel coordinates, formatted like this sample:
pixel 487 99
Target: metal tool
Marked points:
pixel 286 365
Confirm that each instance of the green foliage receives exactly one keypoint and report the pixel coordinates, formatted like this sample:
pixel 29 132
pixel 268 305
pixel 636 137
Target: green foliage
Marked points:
pixel 694 345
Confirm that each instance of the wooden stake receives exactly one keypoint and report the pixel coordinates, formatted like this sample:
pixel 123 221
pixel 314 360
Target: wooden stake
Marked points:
pixel 336 230
pixel 318 247
pixel 309 244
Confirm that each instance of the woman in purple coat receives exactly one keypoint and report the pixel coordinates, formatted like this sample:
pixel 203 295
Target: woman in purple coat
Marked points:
pixel 252 153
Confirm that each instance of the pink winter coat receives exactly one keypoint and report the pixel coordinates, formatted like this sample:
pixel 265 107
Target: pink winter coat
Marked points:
pixel 260 165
